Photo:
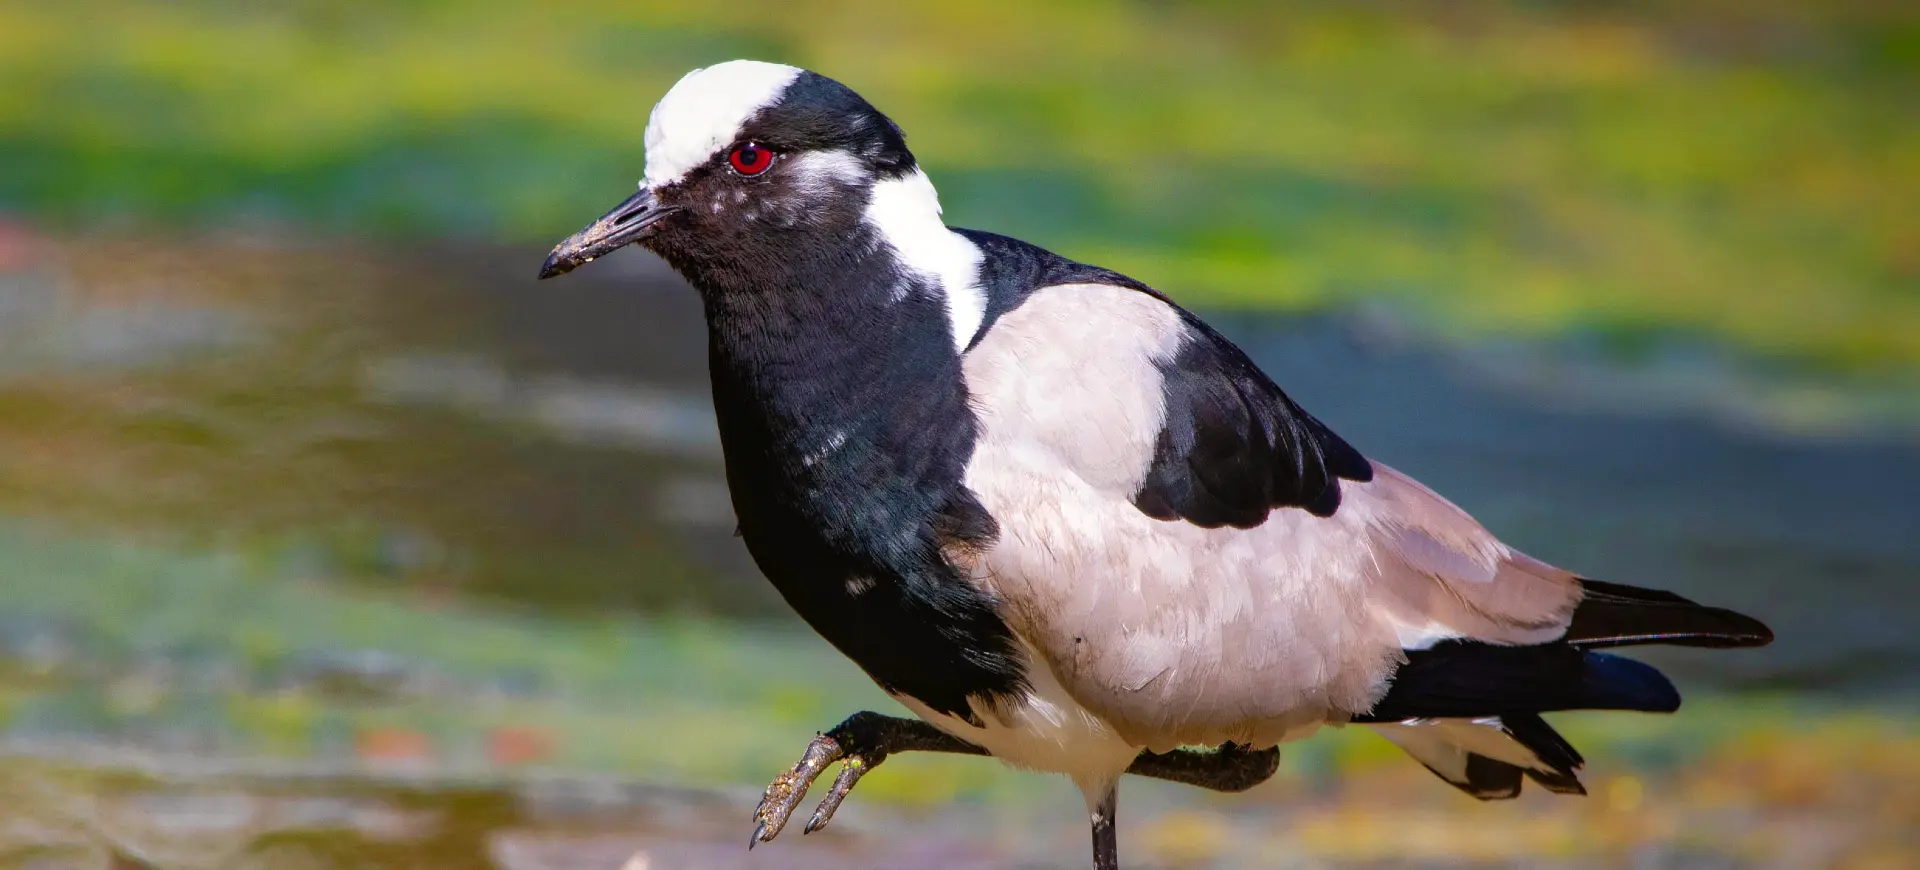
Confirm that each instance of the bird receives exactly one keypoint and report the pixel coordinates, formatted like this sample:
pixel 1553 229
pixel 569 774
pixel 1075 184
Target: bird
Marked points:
pixel 1062 520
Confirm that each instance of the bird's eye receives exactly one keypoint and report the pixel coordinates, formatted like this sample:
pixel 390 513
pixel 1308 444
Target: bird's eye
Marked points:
pixel 751 158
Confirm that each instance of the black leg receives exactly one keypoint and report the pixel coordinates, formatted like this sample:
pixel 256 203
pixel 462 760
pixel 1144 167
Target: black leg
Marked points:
pixel 1106 840
pixel 860 743
pixel 865 739
pixel 1230 768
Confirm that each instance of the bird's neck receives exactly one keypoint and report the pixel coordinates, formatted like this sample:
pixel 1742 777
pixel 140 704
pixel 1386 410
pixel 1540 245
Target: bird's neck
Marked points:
pixel 850 325
pixel 847 434
pixel 837 378
pixel 829 354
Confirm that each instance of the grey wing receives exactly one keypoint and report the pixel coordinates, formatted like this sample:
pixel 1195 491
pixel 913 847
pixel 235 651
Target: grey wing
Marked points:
pixel 1176 630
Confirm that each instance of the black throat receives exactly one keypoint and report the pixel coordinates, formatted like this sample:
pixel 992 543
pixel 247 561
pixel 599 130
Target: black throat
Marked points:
pixel 844 420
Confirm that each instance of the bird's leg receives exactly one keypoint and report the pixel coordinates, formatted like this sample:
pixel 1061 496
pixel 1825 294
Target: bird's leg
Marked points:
pixel 1230 768
pixel 860 744
pixel 1106 839
pixel 865 739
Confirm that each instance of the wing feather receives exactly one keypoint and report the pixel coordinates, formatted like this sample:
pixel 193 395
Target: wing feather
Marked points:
pixel 1197 560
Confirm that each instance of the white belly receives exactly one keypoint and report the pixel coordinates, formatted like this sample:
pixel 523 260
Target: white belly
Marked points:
pixel 1043 730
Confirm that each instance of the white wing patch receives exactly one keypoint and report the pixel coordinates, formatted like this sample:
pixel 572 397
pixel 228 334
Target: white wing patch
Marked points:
pixel 703 113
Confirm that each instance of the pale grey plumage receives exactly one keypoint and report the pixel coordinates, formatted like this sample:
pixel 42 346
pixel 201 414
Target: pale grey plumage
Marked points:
pixel 1170 634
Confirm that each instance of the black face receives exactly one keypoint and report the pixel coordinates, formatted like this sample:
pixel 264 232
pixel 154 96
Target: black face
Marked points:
pixel 786 196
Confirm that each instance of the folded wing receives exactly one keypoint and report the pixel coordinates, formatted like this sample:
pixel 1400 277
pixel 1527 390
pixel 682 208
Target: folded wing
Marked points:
pixel 1199 560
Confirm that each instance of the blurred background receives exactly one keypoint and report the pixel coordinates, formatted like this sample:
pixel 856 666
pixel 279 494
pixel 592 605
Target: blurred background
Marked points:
pixel 328 538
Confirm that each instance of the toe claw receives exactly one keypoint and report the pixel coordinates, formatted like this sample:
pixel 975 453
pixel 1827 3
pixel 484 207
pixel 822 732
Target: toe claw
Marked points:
pixel 783 796
pixel 778 802
pixel 855 767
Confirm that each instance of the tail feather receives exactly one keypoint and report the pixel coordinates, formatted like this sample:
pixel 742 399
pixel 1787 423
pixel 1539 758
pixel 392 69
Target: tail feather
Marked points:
pixel 1614 614
pixel 1467 680
pixel 1470 710
pixel 1561 759
pixel 1489 758
pixel 1533 732
pixel 1609 682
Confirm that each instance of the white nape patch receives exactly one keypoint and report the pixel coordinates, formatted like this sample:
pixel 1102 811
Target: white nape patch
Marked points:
pixel 906 211
pixel 703 113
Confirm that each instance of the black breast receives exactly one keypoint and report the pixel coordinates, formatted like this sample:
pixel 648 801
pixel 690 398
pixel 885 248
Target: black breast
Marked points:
pixel 847 434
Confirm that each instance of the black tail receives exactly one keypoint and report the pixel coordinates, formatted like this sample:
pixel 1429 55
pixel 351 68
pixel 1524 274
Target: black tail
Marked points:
pixel 1463 679
pixel 1470 711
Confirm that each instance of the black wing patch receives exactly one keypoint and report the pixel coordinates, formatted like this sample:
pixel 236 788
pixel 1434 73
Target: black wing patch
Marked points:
pixel 1234 447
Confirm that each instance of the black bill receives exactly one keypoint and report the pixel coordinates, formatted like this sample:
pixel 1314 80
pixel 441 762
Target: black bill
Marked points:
pixel 613 231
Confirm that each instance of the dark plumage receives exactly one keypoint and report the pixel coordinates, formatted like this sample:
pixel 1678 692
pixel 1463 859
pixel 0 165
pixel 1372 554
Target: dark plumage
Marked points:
pixel 1233 447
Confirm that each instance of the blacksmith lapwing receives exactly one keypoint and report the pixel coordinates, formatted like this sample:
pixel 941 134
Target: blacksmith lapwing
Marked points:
pixel 1061 519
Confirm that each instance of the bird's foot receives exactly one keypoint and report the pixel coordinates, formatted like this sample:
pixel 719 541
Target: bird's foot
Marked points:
pixel 783 795
pixel 859 744
pixel 1230 768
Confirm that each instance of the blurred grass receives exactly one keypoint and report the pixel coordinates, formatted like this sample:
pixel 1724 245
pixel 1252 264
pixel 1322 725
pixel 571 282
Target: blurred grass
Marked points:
pixel 1746 170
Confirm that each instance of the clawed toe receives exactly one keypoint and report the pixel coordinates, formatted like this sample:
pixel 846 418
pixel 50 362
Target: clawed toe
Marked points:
pixel 786 790
pixel 851 770
pixel 860 743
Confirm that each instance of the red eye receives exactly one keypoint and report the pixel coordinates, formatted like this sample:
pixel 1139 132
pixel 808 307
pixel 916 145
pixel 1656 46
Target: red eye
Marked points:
pixel 751 158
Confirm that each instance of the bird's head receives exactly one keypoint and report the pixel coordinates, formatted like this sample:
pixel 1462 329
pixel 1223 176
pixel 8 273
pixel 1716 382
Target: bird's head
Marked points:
pixel 749 166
